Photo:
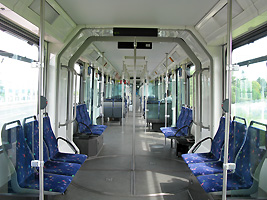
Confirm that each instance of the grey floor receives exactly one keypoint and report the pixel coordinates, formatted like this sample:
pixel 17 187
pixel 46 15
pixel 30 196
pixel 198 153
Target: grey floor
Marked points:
pixel 158 173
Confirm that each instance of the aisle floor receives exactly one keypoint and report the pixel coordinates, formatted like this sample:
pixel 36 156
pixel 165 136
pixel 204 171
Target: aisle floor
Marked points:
pixel 158 173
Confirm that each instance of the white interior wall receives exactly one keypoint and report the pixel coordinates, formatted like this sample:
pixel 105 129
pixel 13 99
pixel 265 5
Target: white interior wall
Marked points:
pixel 216 87
pixel 62 110
pixel 51 90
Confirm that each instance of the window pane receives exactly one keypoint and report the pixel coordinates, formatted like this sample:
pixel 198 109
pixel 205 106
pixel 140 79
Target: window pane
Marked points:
pixel 88 89
pixel 249 90
pixel 18 90
pixel 253 50
pixel 14 45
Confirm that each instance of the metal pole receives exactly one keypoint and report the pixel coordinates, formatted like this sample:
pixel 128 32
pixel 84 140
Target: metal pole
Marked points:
pixel 228 95
pixel 134 110
pixel 146 93
pixel 122 94
pixel 40 91
pixel 102 88
pixel 198 135
pixel 166 91
pixel 174 85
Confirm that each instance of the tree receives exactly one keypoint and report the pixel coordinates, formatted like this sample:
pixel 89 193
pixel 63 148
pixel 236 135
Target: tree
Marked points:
pixel 263 89
pixel 236 91
pixel 256 90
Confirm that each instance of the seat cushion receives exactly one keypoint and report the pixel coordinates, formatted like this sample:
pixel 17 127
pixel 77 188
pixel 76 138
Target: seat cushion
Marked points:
pixel 96 128
pixel 199 157
pixel 62 168
pixel 69 158
pixel 52 182
pixel 168 131
pixel 93 131
pixel 100 126
pixel 206 168
pixel 214 182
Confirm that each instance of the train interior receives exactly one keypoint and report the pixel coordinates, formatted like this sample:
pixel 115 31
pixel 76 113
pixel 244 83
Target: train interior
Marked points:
pixel 133 99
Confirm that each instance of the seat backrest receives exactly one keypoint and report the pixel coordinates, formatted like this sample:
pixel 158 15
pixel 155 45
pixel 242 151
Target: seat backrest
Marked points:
pixel 237 139
pixel 181 123
pixel 153 110
pixel 161 114
pixel 218 140
pixel 82 117
pixel 237 135
pixel 17 151
pixel 86 115
pixel 251 153
pixel 180 116
pixel 49 138
pixel 188 121
pixel 31 132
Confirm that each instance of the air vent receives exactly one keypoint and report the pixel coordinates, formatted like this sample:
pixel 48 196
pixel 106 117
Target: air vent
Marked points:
pixel 50 13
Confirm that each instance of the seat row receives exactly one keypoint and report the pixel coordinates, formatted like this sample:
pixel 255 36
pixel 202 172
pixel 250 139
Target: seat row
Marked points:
pixel 182 132
pixel 247 150
pixel 21 147
pixel 85 125
pixel 113 108
pixel 156 114
pixel 183 125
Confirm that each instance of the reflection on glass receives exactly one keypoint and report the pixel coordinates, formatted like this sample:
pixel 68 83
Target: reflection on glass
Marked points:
pixel 249 92
pixel 18 80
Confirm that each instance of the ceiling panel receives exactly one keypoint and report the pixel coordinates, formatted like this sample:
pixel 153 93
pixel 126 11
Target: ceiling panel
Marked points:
pixel 137 12
pixel 153 56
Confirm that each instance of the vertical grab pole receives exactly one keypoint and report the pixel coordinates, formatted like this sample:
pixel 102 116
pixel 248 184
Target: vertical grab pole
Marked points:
pixel 102 89
pixel 228 95
pixel 162 86
pixel 40 93
pixel 146 93
pixel 108 85
pixel 122 94
pixel 134 110
pixel 166 91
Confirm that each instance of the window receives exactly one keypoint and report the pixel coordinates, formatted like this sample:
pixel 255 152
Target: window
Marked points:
pixel 77 93
pixel 249 90
pixel 18 79
pixel 88 89
pixel 179 91
pixel 190 84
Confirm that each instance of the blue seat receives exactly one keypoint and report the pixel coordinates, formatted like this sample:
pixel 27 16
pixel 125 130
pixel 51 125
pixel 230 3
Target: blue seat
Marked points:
pixel 183 124
pixel 216 146
pixel 236 140
pixel 25 179
pixel 31 132
pixel 248 163
pixel 52 146
pixel 85 123
pixel 170 131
